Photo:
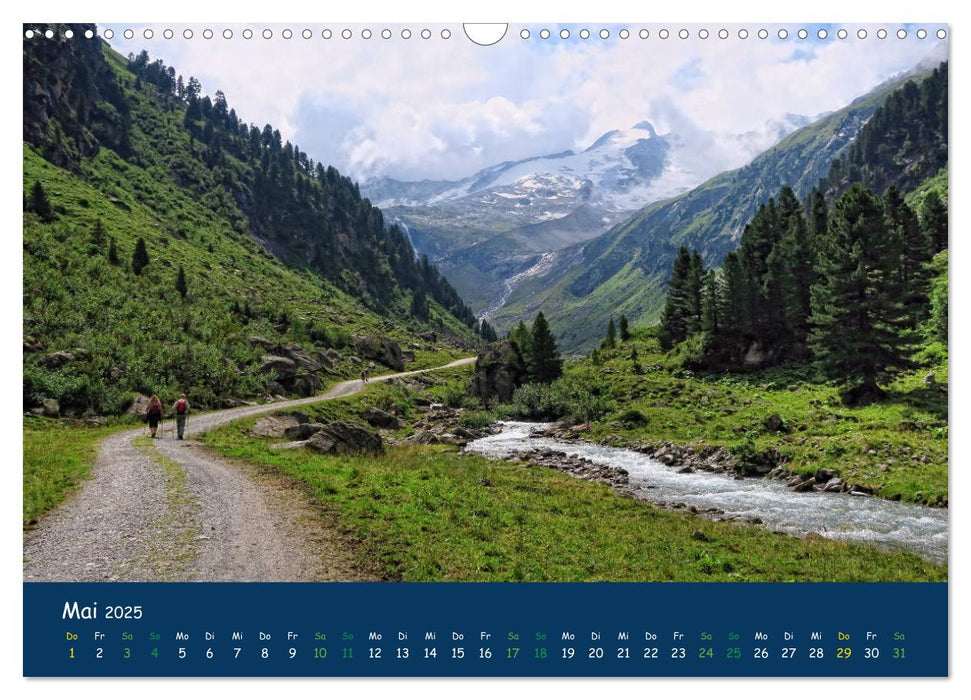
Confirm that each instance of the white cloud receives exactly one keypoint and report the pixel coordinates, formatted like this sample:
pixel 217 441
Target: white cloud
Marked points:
pixel 443 109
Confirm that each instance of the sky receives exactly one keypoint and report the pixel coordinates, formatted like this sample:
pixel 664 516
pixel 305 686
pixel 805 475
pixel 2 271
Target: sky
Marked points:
pixel 439 108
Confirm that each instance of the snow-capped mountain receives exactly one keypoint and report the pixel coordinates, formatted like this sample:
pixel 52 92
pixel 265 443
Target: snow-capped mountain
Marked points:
pixel 497 224
pixel 617 168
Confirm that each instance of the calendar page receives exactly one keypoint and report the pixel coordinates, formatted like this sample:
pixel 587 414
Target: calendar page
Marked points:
pixel 485 350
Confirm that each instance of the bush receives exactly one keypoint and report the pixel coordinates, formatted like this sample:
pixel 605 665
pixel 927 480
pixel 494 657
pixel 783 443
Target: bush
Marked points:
pixel 632 418
pixel 565 399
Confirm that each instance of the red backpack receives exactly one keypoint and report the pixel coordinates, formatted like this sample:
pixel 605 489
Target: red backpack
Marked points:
pixel 180 406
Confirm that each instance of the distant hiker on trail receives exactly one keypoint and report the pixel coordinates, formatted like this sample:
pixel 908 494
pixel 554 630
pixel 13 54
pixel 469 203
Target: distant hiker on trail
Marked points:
pixel 154 413
pixel 181 410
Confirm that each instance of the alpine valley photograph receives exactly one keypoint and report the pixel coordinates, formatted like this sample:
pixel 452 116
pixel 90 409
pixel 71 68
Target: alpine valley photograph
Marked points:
pixel 623 303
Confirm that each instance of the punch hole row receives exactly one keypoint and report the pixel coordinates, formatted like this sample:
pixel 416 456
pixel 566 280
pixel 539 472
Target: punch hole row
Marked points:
pixel 447 34
pixel 725 34
pixel 246 34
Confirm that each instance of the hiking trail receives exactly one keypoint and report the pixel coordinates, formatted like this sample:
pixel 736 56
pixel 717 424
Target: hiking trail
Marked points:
pixel 171 510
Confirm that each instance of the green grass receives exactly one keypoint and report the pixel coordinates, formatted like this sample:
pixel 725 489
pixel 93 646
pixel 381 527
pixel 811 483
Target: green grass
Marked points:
pixel 431 514
pixel 57 458
pixel 898 447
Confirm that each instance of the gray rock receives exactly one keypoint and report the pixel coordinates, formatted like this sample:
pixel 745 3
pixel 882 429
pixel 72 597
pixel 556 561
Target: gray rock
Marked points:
pixel 805 486
pixel 381 349
pixel 51 408
pixel 834 485
pixel 302 431
pixel 56 359
pixel 824 475
pixel 289 445
pixel 274 426
pixel 499 369
pixel 345 437
pixel 282 367
pixel 774 423
pixel 381 419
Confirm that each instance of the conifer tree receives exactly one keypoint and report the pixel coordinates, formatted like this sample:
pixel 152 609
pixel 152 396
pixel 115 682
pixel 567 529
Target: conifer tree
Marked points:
pixel 624 329
pixel 181 286
pixel 487 332
pixel 521 338
pixel 856 331
pixel 799 259
pixel 545 364
pixel 113 252
pixel 712 301
pixel 908 246
pixel 933 219
pixel 693 311
pixel 419 305
pixel 40 203
pixel 610 341
pixel 673 327
pixel 139 258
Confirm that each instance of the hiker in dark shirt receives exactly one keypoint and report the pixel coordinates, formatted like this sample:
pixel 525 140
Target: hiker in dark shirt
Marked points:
pixel 154 413
pixel 181 410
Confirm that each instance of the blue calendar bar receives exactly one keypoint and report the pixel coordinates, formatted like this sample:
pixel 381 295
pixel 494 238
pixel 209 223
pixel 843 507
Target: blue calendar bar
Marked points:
pixel 601 629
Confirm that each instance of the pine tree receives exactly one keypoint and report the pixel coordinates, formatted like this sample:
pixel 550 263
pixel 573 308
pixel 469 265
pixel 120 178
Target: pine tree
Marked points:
pixel 711 304
pixel 610 342
pixel 735 296
pixel 545 364
pixel 113 253
pixel 520 337
pixel 624 330
pixel 139 258
pixel 798 254
pixel 181 286
pixel 696 276
pixel 40 203
pixel 419 305
pixel 487 332
pixel 673 328
pixel 933 219
pixel 908 246
pixel 856 331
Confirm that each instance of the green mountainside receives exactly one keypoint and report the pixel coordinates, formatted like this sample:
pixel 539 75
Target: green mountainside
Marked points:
pixel 624 271
pixel 170 247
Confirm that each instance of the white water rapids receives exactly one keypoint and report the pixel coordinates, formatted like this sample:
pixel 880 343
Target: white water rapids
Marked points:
pixel 869 520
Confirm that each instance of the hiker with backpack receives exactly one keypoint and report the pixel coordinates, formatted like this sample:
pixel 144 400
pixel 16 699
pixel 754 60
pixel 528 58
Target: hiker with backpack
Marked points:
pixel 181 410
pixel 154 414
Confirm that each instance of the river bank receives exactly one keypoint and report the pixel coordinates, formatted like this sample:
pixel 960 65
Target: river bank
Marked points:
pixel 707 486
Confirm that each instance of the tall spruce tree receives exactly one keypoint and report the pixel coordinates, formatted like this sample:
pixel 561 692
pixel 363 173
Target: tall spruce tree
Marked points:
pixel 40 203
pixel 523 340
pixel 856 332
pixel 623 329
pixel 545 364
pixel 139 258
pixel 797 250
pixel 181 286
pixel 909 248
pixel 673 328
pixel 696 276
pixel 610 341
pixel 933 219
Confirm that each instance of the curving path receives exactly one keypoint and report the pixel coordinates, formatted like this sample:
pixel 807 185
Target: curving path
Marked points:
pixel 169 510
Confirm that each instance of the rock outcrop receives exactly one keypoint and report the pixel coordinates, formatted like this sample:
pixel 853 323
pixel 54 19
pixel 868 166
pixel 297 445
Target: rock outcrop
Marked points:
pixel 345 437
pixel 499 370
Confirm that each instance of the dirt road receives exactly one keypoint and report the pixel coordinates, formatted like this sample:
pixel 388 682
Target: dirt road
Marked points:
pixel 169 510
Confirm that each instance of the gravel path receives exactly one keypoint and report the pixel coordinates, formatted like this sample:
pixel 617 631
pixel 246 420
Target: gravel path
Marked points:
pixel 169 510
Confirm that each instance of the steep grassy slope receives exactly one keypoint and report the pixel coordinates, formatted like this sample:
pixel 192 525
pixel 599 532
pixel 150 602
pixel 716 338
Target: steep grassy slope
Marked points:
pixel 131 168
